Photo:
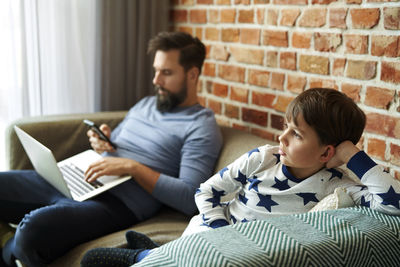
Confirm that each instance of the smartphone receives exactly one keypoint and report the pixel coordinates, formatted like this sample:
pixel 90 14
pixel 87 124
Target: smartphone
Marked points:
pixel 102 136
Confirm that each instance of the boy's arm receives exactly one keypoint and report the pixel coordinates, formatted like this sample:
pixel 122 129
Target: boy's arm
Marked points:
pixel 228 180
pixel 381 191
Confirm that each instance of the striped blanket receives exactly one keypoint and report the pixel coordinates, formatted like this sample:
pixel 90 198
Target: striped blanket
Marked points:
pixel 354 236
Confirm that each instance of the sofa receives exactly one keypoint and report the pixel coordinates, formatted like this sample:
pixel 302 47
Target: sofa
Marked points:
pixel 65 135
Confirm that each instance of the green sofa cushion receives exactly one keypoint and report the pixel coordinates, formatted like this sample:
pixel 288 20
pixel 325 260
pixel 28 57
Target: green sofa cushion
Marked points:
pixel 353 236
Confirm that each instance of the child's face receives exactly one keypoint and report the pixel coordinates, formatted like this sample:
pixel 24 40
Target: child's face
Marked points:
pixel 300 149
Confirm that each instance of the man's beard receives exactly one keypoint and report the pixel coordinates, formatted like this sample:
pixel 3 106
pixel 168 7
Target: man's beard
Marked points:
pixel 169 100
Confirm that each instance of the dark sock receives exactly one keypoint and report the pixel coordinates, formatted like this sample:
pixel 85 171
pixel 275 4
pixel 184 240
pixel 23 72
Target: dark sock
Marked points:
pixel 137 240
pixel 107 257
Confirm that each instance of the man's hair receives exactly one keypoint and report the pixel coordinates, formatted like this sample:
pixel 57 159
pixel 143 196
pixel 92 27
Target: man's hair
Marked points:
pixel 333 115
pixel 192 51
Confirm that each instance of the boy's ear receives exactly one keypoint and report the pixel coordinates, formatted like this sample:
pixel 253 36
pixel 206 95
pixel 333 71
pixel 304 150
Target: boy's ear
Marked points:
pixel 328 154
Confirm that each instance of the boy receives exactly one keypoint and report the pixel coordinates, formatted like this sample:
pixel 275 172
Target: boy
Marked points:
pixel 322 128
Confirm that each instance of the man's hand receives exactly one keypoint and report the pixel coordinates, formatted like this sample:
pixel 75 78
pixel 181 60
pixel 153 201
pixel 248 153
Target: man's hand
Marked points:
pixel 96 143
pixel 108 166
pixel 343 153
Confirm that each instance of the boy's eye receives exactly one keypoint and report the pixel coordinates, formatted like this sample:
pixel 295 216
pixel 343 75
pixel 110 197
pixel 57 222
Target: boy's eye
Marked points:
pixel 296 134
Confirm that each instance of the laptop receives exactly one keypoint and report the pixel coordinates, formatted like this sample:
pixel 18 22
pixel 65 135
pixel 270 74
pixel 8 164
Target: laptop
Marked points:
pixel 67 176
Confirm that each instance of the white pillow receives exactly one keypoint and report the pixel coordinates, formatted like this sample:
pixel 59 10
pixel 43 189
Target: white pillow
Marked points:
pixel 338 199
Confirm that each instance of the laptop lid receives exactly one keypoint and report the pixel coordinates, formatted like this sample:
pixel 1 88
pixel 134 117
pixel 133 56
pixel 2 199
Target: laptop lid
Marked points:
pixel 43 161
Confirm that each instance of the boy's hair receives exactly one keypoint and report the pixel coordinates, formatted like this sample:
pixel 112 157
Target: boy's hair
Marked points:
pixel 192 51
pixel 333 115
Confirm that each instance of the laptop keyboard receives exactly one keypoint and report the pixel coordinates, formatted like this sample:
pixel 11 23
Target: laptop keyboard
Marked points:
pixel 75 179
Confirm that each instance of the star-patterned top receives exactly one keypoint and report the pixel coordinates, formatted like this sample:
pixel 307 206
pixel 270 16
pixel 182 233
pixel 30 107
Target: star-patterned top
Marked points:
pixel 263 187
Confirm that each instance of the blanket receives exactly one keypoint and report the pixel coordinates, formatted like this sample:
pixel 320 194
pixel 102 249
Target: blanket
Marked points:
pixel 355 236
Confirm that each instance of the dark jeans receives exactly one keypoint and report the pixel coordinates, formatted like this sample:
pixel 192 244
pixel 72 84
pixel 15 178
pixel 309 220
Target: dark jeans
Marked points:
pixel 50 224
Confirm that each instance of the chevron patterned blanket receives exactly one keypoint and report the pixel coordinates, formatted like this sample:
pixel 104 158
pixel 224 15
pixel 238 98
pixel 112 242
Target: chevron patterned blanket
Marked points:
pixel 355 236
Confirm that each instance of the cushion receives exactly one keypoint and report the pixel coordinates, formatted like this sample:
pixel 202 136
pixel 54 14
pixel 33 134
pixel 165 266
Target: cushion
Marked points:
pixel 355 236
pixel 337 200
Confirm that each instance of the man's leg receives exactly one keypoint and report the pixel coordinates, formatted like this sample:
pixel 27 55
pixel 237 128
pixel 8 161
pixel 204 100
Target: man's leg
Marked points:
pixel 58 224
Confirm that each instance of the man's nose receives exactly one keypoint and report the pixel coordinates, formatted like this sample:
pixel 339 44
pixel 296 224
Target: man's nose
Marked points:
pixel 157 79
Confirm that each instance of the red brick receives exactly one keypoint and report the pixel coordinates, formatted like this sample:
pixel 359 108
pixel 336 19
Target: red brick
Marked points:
pixel 258 77
pixel 187 2
pixel 277 121
pixel 250 36
pixel 352 91
pixel 255 116
pixel 246 16
pixel 239 94
pixel 261 2
pixel 383 125
pixel 219 52
pixel 228 15
pixel 231 73
pixel 243 2
pixel 356 44
pixel 272 17
pixel 379 97
pixel 323 83
pixel 296 84
pixel 327 42
pixel 198 16
pixel 231 111
pixel 282 103
pixel 213 16
pixel 390 72
pixel 185 29
pixel 223 2
pixel 361 70
pixel 290 2
pixel 277 80
pixel 262 99
pixel 230 35
pixel 205 2
pixel 323 2
pixel 337 18
pixel 364 18
pixel 260 15
pixel 289 16
pixel 240 127
pixel 245 55
pixel 212 34
pixel 288 60
pixel 220 89
pixel 263 134
pixel 391 17
pixel 178 16
pixel 313 17
pixel 208 86
pixel 376 148
pixel 385 45
pixel 353 1
pixel 216 106
pixel 275 38
pixel 314 64
pixel 272 59
pixel 209 69
pixel 338 66
pixel 395 154
pixel 199 32
pixel 301 39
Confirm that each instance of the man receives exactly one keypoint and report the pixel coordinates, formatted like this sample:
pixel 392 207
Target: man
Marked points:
pixel 168 143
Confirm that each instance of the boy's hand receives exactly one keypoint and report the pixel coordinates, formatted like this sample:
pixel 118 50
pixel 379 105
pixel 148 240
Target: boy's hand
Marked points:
pixel 343 153
pixel 96 143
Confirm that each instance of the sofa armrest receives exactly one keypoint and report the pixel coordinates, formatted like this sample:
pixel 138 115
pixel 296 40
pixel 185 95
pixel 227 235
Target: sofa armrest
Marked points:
pixel 64 135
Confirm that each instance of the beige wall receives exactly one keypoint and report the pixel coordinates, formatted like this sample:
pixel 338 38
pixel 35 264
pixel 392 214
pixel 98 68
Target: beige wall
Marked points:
pixel 262 53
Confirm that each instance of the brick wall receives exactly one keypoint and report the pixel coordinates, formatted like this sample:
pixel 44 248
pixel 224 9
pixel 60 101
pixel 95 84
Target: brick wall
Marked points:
pixel 262 53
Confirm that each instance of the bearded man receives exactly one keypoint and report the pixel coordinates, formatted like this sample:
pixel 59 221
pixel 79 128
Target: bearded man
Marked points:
pixel 168 143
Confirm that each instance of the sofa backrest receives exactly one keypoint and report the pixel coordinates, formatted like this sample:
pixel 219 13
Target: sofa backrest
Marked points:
pixel 235 144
